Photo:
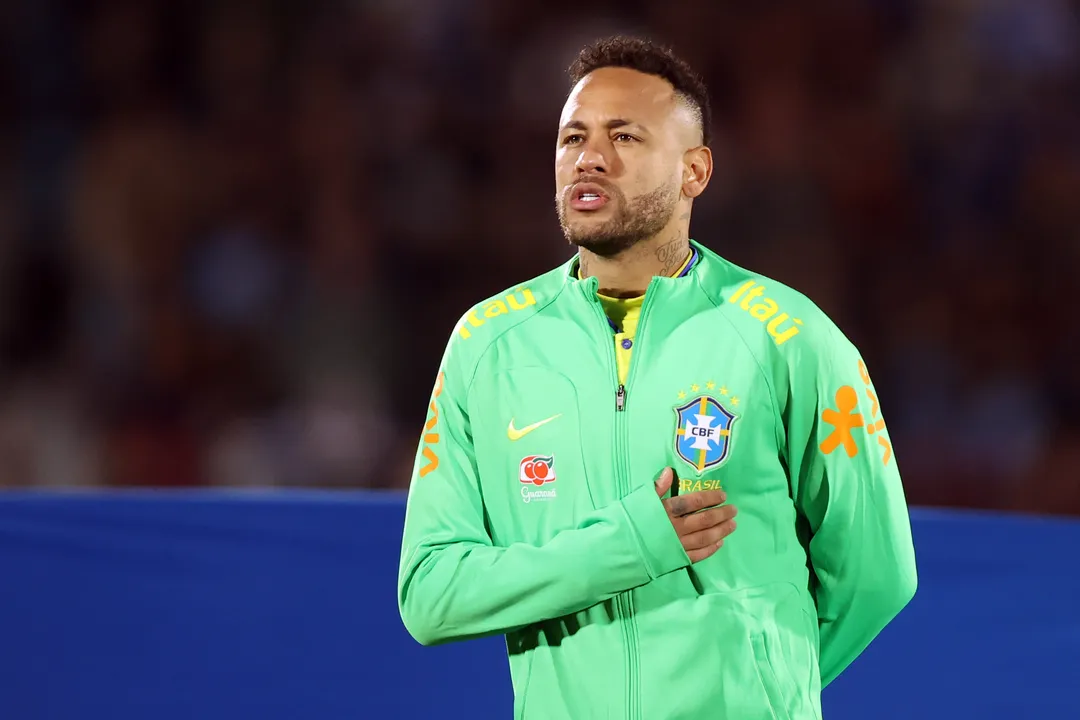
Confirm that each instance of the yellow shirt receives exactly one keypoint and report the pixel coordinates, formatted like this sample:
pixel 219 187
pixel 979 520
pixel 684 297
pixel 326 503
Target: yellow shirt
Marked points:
pixel 624 314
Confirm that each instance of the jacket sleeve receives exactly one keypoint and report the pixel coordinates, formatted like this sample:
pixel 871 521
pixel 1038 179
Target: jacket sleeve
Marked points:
pixel 850 498
pixel 454 584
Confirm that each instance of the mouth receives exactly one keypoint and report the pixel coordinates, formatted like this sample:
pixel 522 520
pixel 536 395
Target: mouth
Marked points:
pixel 587 197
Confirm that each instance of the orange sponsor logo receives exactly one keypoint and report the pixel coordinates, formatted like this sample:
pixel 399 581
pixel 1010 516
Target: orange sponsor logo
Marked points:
pixel 844 419
pixel 431 436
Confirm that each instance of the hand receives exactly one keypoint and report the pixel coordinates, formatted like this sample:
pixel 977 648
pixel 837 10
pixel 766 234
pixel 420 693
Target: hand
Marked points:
pixel 702 533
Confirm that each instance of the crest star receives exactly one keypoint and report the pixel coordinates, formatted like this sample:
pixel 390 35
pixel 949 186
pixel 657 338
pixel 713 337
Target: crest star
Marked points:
pixel 723 390
pixel 695 388
pixel 734 400
pixel 682 395
pixel 710 384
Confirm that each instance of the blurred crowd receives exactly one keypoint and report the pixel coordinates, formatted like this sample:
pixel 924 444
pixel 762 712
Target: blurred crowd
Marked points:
pixel 234 236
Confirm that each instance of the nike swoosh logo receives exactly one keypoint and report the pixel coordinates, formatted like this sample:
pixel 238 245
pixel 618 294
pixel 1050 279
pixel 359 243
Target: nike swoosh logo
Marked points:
pixel 515 434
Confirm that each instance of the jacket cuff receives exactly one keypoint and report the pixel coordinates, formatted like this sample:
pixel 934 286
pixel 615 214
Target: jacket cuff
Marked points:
pixel 659 545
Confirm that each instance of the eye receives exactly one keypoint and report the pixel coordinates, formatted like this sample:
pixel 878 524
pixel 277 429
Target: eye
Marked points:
pixel 624 137
pixel 572 139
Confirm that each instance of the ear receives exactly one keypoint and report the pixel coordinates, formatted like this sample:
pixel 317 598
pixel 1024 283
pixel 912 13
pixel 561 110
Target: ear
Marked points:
pixel 697 170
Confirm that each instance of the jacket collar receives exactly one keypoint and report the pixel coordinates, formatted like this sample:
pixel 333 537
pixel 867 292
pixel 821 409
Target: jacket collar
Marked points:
pixel 570 268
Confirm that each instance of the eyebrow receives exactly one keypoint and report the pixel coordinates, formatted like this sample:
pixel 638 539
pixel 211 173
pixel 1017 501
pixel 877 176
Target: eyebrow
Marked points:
pixel 609 125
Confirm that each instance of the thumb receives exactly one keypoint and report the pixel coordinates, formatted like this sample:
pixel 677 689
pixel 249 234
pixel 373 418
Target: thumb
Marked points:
pixel 663 483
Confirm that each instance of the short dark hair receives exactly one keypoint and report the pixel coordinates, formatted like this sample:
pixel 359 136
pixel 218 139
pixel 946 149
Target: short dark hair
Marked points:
pixel 647 57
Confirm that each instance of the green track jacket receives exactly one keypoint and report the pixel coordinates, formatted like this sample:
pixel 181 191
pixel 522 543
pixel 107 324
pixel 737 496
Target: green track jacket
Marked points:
pixel 532 510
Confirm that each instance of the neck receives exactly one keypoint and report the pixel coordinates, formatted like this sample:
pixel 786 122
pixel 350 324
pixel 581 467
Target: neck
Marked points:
pixel 629 273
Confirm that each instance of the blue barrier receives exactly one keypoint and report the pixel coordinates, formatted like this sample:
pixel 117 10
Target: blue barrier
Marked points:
pixel 282 606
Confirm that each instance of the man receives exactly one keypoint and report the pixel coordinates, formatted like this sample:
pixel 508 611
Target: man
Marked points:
pixel 592 430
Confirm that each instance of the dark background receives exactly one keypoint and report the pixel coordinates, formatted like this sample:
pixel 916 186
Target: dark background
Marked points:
pixel 234 236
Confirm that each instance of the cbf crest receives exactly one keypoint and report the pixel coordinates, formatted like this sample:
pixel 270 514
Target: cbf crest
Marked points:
pixel 703 430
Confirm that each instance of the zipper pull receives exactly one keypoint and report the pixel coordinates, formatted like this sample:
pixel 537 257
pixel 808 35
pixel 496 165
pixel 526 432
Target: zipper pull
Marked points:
pixel 620 399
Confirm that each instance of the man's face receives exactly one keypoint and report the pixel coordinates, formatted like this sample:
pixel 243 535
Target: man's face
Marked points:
pixel 619 159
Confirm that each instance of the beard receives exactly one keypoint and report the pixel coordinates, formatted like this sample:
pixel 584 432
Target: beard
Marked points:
pixel 642 218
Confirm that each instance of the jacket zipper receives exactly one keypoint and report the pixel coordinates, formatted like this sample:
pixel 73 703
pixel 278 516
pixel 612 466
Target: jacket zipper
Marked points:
pixel 625 602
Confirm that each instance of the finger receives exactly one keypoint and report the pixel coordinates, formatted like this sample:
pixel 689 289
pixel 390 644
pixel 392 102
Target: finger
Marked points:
pixel 692 502
pixel 710 536
pixel 697 556
pixel 706 519
pixel 663 483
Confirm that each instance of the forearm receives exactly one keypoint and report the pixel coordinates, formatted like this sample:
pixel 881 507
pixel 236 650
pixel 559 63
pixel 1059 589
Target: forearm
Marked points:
pixel 453 590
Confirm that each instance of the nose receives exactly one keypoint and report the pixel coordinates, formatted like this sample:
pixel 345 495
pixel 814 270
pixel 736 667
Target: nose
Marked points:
pixel 591 161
